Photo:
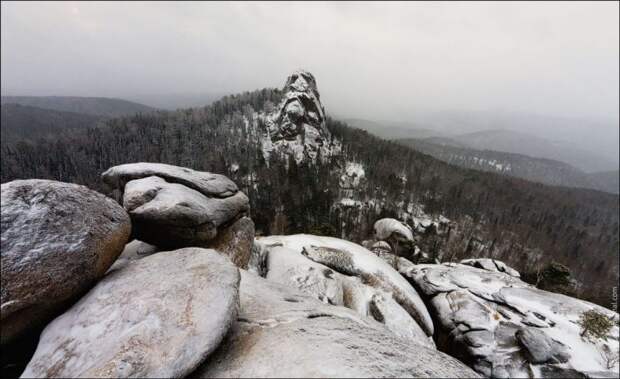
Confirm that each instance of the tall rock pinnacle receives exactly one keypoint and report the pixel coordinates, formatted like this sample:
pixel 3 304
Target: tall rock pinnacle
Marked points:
pixel 297 126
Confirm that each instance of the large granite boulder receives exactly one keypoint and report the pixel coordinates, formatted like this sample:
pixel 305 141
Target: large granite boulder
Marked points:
pixel 290 268
pixel 57 240
pixel 283 333
pixel 158 316
pixel 173 207
pixel 351 259
pixel 504 327
pixel 208 184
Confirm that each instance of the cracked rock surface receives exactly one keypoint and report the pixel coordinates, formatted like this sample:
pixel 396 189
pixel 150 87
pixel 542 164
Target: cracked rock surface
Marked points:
pixel 504 327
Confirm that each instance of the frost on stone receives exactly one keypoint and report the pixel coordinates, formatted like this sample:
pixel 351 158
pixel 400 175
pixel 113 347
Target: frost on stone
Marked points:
pixel 508 328
pixel 159 316
pixel 284 332
pixel 354 260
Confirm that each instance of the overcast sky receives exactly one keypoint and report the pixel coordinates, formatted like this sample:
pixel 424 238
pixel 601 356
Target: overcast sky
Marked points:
pixel 378 61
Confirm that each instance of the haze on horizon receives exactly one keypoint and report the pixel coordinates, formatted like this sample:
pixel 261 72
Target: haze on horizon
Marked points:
pixel 380 61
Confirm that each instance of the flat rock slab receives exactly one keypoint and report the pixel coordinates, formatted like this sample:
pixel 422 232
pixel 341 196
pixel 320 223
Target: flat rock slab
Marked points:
pixel 213 185
pixel 284 333
pixel 159 316
pixel 57 240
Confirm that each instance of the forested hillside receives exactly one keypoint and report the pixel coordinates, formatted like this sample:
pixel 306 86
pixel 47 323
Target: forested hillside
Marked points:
pixel 94 106
pixel 26 122
pixel 524 223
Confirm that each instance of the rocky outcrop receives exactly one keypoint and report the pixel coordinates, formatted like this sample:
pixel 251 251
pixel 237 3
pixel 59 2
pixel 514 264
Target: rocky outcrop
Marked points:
pixel 57 240
pixel 503 327
pixel 208 184
pixel 159 316
pixel 350 259
pixel 290 268
pixel 297 127
pixel 173 207
pixel 491 265
pixel 285 333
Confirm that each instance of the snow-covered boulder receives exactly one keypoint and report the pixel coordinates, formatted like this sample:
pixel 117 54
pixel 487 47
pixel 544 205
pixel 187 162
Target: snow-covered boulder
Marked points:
pixel 180 208
pixel 58 239
pixel 504 327
pixel 491 265
pixel 159 316
pixel 297 126
pixel 208 184
pixel 388 228
pixel 290 268
pixel 282 332
pixel 354 260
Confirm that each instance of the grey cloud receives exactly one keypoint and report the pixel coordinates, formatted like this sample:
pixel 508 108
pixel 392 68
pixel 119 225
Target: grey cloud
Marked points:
pixel 372 60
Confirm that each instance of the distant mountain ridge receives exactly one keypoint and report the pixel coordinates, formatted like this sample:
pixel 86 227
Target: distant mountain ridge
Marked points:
pixel 392 130
pixel 481 131
pixel 542 170
pixel 23 122
pixel 527 144
pixel 607 179
pixel 94 106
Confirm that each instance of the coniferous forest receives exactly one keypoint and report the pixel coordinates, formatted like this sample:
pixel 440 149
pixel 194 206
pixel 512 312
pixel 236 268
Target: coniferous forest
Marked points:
pixel 526 224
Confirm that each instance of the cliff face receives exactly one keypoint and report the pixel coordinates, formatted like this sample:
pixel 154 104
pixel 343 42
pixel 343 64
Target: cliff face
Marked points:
pixel 297 126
